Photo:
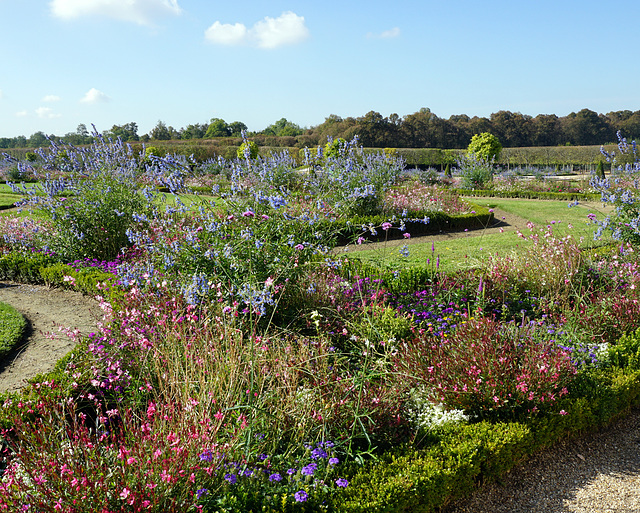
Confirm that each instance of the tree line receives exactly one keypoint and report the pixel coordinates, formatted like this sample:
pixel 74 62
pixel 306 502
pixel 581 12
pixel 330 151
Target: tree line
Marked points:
pixel 422 129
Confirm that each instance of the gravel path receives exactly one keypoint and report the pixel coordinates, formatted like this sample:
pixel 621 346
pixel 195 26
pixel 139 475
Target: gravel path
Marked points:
pixel 46 310
pixel 597 473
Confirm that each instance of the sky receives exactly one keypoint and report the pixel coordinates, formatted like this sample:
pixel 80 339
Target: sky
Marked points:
pixel 112 62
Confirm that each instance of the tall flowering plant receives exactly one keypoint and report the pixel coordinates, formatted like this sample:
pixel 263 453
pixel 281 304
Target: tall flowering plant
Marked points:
pixel 93 196
pixel 621 191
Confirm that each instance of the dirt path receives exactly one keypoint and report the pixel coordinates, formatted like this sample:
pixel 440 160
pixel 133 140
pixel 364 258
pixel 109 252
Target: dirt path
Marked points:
pixel 46 310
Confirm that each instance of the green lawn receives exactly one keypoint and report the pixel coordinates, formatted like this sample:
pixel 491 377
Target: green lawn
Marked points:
pixel 469 249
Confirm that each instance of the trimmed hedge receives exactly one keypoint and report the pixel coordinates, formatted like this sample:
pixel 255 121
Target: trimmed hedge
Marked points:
pixel 348 229
pixel 12 328
pixel 560 196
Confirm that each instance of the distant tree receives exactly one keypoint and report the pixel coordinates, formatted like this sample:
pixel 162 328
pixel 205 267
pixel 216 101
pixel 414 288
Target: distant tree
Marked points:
pixel 217 128
pixel 588 127
pixel 546 130
pixel 161 132
pixel 512 128
pixel 128 132
pixel 484 146
pixel 37 140
pixel 236 128
pixel 82 131
pixel 196 131
pixel 282 128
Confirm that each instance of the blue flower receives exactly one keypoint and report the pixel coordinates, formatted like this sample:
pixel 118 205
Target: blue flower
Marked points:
pixel 231 478
pixel 202 492
pixel 301 496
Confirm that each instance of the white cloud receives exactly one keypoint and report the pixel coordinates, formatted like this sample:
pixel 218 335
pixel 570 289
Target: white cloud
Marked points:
pixel 94 96
pixel 387 34
pixel 226 34
pixel 46 112
pixel 142 12
pixel 22 114
pixel 51 98
pixel 286 29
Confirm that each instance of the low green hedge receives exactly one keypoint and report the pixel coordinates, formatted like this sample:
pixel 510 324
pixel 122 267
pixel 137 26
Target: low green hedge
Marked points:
pixel 348 229
pixel 12 328
pixel 560 196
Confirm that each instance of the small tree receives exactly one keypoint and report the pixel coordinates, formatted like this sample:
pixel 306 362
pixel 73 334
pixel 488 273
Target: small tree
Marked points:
pixel 600 170
pixel 484 146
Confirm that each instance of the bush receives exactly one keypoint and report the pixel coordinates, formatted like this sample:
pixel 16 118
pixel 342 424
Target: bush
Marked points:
pixel 490 370
pixel 484 146
pixel 248 150
pixel 476 173
pixel 12 327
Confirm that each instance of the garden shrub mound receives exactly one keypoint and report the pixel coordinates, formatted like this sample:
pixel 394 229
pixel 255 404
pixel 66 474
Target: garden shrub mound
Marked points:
pixel 12 328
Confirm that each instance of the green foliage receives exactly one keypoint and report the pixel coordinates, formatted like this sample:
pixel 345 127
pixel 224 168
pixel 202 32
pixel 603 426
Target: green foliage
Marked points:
pixel 31 157
pixel 217 128
pixel 626 352
pixel 484 146
pixel 334 148
pixel 380 324
pixel 12 327
pixel 477 173
pixel 24 268
pixel 90 280
pixel 152 151
pixel 600 170
pixel 93 223
pixel 248 149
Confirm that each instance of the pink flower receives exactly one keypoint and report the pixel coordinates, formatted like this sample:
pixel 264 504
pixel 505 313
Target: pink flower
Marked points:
pixel 386 226
pixel 125 493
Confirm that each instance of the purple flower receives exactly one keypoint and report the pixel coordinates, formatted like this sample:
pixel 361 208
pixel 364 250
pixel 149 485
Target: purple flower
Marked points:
pixel 309 469
pixel 202 492
pixel 206 456
pixel 333 461
pixel 318 453
pixel 231 478
pixel 299 247
pixel 248 213
pixel 301 496
pixel 275 477
pixel 386 226
pixel 342 482
pixel 291 471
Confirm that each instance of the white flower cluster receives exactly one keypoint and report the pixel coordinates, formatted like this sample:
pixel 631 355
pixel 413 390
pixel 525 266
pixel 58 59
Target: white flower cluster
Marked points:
pixel 426 415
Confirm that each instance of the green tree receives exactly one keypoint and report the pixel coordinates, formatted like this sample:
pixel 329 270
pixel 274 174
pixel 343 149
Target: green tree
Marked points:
pixel 196 131
pixel 484 146
pixel 236 128
pixel 217 128
pixel 37 140
pixel 161 132
pixel 283 127
pixel 128 132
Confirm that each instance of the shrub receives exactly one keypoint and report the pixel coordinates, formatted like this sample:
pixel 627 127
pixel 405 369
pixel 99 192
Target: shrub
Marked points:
pixel 12 327
pixel 476 173
pixel 248 150
pixel 484 147
pixel 490 370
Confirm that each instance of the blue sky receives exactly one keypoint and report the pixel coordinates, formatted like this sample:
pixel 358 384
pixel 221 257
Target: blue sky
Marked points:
pixel 106 62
